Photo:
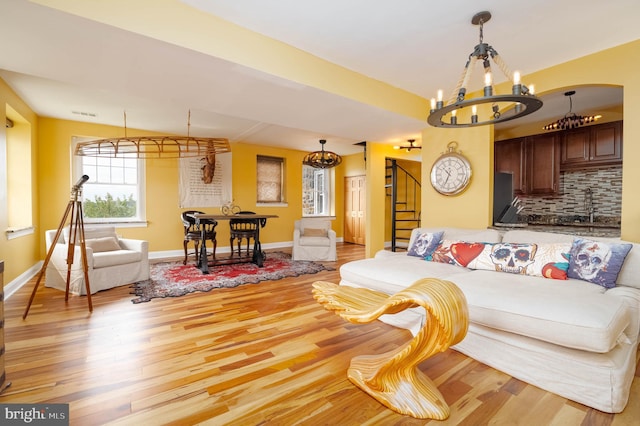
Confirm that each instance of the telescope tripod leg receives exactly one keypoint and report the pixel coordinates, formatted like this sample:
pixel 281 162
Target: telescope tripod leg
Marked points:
pixel 48 258
pixel 77 226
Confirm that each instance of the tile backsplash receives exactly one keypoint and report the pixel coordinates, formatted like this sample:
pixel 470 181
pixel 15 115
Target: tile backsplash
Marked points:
pixel 606 189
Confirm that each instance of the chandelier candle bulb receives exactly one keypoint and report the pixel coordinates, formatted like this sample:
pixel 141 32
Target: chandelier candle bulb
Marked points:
pixel 474 114
pixel 517 87
pixel 439 103
pixel 433 104
pixel 488 90
pixel 454 119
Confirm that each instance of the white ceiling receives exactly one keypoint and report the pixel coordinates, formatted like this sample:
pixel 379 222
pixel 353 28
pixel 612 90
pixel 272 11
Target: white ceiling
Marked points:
pixel 69 67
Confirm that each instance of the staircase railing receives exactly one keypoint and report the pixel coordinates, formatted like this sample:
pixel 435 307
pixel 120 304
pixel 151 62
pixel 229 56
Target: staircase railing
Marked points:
pixel 404 190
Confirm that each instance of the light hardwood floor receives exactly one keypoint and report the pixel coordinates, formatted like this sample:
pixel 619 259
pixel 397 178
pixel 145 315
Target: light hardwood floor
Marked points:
pixel 263 353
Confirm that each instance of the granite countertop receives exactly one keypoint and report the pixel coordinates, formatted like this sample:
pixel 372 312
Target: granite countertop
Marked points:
pixel 581 229
pixel 576 224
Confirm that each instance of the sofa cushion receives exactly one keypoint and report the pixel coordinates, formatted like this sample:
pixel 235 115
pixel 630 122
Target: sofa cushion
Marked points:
pixel 629 274
pixel 459 253
pixel 390 273
pixel 103 244
pixel 315 232
pixel 570 313
pixel 118 257
pixel 543 260
pixel 460 234
pixel 91 233
pixel 315 241
pixel 596 261
pixel 424 244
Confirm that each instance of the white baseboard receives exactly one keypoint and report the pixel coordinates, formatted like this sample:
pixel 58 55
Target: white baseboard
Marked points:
pixel 21 280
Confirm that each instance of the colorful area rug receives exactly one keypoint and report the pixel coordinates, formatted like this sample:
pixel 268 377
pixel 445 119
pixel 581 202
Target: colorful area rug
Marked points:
pixel 173 279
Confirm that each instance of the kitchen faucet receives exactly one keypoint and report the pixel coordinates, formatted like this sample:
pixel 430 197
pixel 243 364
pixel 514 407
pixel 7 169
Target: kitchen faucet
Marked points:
pixel 588 203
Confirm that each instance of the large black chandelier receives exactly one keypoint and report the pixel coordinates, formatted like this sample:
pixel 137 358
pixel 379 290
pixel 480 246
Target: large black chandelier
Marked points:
pixel 520 102
pixel 322 159
pixel 571 120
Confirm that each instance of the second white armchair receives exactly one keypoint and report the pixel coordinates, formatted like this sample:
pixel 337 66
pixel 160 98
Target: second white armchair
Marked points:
pixel 313 239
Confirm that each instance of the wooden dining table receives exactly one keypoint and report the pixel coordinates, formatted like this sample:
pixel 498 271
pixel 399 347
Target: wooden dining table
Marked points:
pixel 257 256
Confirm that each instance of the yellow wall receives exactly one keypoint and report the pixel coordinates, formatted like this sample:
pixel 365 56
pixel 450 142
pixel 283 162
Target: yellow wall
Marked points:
pixel 616 66
pixel 21 253
pixel 354 165
pixel 164 230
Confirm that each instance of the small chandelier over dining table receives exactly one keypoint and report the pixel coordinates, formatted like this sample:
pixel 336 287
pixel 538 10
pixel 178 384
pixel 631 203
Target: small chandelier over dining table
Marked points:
pixel 322 159
pixel 520 102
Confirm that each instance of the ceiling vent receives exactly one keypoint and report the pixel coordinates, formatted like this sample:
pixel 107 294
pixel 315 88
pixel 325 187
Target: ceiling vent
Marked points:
pixel 9 123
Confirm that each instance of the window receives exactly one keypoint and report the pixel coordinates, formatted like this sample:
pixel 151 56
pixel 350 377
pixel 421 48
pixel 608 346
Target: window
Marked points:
pixel 115 189
pixel 19 187
pixel 316 191
pixel 270 175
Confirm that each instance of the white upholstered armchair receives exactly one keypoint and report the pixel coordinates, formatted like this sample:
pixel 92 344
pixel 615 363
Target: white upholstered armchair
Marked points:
pixel 313 239
pixel 112 261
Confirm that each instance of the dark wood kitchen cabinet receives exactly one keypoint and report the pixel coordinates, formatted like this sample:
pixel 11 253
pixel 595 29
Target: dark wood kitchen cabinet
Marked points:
pixel 509 158
pixel 593 146
pixel 534 162
pixel 543 164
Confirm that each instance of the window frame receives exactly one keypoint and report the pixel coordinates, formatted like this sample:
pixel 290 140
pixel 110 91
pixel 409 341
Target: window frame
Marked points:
pixel 326 193
pixel 140 219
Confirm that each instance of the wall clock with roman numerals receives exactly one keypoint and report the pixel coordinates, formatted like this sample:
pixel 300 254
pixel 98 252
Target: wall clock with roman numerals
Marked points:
pixel 451 172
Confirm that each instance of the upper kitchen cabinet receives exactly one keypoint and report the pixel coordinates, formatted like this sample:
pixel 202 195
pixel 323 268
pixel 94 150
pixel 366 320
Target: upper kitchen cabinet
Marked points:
pixel 534 162
pixel 509 158
pixel 592 146
pixel 543 164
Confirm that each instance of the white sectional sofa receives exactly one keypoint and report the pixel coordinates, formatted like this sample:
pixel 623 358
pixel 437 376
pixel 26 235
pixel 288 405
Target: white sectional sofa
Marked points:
pixel 572 337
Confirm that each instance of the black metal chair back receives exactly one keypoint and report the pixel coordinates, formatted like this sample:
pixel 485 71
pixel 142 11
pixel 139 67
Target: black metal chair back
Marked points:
pixel 193 232
pixel 241 229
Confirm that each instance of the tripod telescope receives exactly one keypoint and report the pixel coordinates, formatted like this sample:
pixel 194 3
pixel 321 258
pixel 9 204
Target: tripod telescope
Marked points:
pixel 76 235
